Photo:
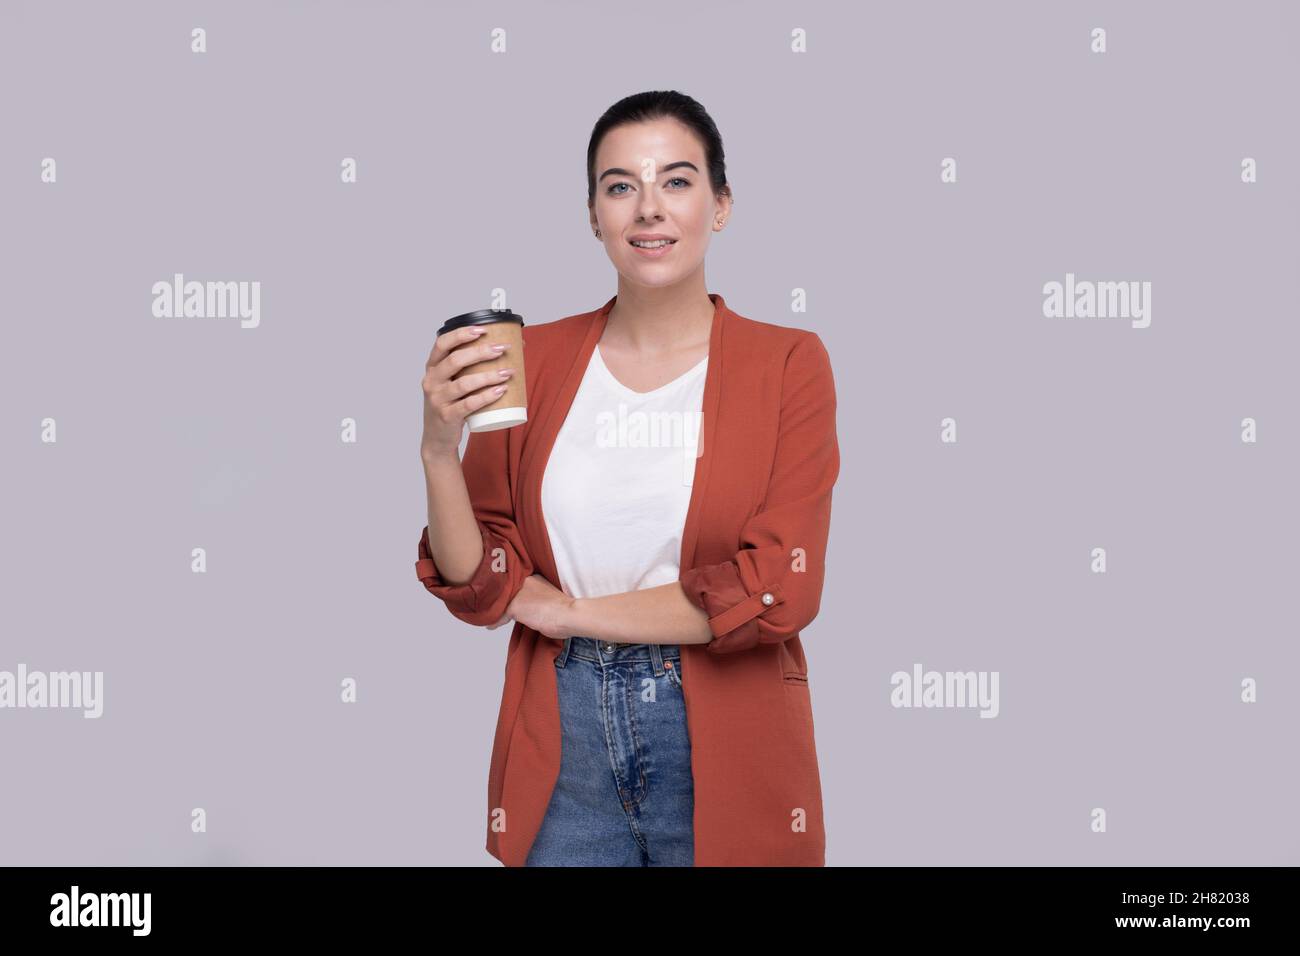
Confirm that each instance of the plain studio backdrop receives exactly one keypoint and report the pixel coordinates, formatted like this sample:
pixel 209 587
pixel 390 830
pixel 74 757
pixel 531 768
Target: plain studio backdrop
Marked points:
pixel 222 690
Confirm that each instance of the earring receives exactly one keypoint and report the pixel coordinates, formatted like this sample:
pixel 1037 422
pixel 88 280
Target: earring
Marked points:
pixel 597 233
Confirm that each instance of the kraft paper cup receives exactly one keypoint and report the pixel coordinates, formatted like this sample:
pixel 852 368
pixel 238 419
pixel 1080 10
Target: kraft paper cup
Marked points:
pixel 511 408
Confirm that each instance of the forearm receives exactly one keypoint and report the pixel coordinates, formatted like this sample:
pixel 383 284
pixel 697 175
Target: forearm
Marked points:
pixel 658 615
pixel 455 540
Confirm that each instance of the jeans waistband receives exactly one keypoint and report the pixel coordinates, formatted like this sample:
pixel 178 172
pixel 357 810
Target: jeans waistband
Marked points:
pixel 590 649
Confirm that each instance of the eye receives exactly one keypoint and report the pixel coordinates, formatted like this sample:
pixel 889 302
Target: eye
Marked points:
pixel 676 179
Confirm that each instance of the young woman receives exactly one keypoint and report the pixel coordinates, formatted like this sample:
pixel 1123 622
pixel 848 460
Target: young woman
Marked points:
pixel 656 531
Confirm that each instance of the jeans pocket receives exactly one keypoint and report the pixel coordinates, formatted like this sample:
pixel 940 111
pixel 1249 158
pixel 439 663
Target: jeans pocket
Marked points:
pixel 674 670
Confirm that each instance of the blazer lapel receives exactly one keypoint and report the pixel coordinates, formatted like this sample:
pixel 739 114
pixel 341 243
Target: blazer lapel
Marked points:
pixel 708 423
pixel 534 456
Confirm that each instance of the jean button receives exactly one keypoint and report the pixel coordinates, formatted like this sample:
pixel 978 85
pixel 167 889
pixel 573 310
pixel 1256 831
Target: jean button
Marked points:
pixel 608 647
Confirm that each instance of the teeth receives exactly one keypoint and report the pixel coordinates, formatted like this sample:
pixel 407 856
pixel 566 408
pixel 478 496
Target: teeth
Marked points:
pixel 653 245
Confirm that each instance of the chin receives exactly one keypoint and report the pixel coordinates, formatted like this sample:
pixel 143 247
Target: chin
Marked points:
pixel 658 280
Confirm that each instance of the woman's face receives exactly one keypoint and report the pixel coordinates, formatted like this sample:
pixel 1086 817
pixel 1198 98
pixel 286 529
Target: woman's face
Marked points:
pixel 651 179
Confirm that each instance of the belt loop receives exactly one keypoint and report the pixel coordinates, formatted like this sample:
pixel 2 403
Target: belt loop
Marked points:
pixel 564 653
pixel 657 660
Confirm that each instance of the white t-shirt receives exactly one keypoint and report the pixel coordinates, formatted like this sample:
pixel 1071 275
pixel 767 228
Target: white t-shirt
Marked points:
pixel 618 482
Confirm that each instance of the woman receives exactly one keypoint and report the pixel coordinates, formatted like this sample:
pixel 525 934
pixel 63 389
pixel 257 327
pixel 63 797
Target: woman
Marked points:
pixel 656 707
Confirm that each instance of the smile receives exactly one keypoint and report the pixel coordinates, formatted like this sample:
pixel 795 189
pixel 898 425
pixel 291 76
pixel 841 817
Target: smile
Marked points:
pixel 654 250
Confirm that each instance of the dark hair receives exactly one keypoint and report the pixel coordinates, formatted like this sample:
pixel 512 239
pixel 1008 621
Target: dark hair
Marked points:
pixel 661 104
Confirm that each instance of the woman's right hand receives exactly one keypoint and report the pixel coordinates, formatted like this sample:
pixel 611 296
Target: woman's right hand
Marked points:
pixel 448 401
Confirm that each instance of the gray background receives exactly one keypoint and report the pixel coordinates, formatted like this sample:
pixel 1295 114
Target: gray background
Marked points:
pixel 222 690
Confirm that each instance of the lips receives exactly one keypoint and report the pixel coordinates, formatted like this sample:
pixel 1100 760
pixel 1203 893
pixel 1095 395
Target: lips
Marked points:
pixel 653 252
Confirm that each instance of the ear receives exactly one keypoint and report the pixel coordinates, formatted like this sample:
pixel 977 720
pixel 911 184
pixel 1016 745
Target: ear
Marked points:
pixel 723 204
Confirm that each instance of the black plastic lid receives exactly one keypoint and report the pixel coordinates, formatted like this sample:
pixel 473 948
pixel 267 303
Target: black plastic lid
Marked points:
pixel 480 317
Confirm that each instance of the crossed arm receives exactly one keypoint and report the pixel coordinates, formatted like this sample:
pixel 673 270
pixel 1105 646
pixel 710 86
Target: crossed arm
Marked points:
pixel 658 615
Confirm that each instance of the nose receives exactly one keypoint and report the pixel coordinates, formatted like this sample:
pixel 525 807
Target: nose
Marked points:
pixel 648 204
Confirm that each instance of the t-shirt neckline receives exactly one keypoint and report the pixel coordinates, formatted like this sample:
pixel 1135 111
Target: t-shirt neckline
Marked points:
pixel 609 376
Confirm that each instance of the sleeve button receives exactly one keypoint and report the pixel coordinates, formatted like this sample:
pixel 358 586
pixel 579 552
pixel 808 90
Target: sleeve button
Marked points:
pixel 767 597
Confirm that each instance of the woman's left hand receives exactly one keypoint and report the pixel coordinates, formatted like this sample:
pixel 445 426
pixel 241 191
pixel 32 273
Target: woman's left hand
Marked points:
pixel 541 606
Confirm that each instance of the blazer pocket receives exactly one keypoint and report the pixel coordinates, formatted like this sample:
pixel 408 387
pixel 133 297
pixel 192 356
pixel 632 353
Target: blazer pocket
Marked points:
pixel 794 677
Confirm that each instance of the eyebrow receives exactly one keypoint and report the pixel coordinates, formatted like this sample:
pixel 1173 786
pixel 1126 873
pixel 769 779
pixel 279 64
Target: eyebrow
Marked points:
pixel 618 171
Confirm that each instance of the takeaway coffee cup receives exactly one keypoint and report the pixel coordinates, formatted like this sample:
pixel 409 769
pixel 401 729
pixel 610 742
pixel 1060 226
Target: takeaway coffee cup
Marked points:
pixel 511 408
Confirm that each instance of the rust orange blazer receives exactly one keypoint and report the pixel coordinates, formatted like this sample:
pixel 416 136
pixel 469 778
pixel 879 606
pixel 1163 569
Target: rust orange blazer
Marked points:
pixel 753 557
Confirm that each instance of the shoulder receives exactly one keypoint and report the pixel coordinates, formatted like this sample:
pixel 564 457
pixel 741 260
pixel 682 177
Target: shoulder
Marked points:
pixel 797 359
pixel 549 347
pixel 800 352
pixel 558 329
pixel 558 332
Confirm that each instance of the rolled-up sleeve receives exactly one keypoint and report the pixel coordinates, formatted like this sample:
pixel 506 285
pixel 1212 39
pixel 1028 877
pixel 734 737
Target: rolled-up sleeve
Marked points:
pixel 771 590
pixel 483 599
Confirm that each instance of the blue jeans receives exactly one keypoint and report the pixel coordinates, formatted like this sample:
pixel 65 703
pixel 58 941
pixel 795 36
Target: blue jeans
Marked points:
pixel 625 795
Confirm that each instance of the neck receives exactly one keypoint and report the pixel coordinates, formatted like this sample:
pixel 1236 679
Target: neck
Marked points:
pixel 656 321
